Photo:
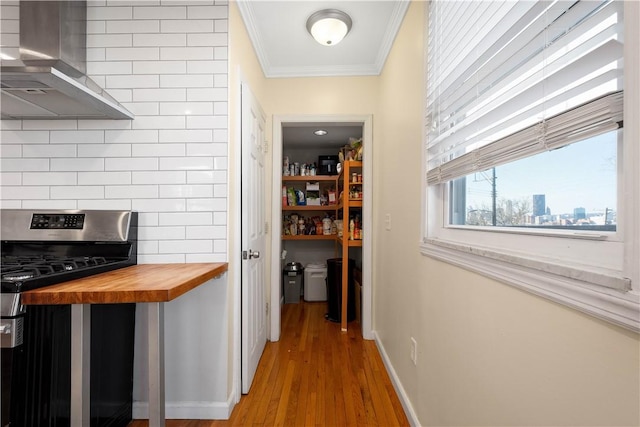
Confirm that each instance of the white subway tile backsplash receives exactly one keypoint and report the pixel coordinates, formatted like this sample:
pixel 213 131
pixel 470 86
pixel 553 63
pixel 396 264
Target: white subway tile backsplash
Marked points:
pixel 108 13
pixel 220 53
pixel 146 247
pixel 161 177
pixel 207 122
pixel 109 40
pixel 160 122
pixel 165 12
pixel 190 80
pixel 158 150
pixel 10 151
pixel 160 40
pixel 186 53
pixel 111 67
pixel 185 246
pixel 104 150
pixel 221 136
pixel 166 62
pixel 186 26
pixel 159 95
pixel 143 108
pixel 150 219
pixel 159 67
pixel 132 82
pixel 10 204
pixel 220 218
pixel 49 124
pixel 159 205
pixel 131 192
pixel 207 12
pixel 207 67
pixel 77 192
pixel 49 151
pixel 172 191
pixel 133 26
pixel 186 108
pixel 131 164
pixel 221 26
pixel 220 163
pixel 208 39
pixel 190 258
pixel 79 165
pixel 10 125
pixel 104 178
pixel 49 204
pixel 96 54
pixel 206 205
pixel 11 178
pixel 206 232
pixel 24 165
pixel 96 27
pixel 186 163
pixel 186 218
pixel 161 233
pixel 220 190
pixel 132 53
pixel 161 259
pixel 130 136
pixel 186 135
pixel 212 149
pixel 105 204
pixel 77 137
pixel 206 94
pixel 207 177
pixel 220 246
pixel 24 192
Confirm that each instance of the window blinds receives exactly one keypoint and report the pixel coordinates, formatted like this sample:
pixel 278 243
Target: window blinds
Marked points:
pixel 506 80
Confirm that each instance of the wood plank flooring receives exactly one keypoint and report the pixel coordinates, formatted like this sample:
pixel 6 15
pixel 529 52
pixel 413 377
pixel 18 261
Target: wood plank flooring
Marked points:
pixel 314 376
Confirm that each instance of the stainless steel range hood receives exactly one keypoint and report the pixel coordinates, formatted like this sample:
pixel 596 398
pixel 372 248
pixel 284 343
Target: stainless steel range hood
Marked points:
pixel 49 80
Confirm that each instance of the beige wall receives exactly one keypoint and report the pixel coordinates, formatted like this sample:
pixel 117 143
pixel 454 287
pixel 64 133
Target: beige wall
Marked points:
pixel 489 354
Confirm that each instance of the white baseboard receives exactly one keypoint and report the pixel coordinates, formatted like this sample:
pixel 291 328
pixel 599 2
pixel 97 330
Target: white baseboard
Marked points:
pixel 397 385
pixel 188 410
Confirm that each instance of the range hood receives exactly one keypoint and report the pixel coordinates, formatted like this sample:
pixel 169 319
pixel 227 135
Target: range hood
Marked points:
pixel 49 79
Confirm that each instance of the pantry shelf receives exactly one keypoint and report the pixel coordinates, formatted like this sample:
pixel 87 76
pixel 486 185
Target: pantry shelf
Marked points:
pixel 310 237
pixel 309 178
pixel 310 208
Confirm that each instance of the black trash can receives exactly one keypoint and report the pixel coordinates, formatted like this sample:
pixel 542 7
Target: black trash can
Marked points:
pixel 334 291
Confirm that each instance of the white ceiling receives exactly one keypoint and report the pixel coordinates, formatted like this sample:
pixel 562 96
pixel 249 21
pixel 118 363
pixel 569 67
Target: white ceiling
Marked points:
pixel 285 49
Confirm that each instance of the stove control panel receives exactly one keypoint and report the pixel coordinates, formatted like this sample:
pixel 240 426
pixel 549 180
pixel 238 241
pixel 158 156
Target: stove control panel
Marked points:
pixel 41 221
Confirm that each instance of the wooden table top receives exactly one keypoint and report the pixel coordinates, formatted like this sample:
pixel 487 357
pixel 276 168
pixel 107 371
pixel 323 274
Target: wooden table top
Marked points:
pixel 138 283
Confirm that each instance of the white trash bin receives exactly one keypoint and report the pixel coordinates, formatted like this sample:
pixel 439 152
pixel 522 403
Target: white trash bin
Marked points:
pixel 315 282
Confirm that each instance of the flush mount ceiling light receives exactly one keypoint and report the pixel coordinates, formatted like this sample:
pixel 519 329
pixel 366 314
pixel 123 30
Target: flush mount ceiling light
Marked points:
pixel 320 132
pixel 329 26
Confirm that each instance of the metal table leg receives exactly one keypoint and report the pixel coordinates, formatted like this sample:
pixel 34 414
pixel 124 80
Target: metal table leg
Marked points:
pixel 155 320
pixel 80 364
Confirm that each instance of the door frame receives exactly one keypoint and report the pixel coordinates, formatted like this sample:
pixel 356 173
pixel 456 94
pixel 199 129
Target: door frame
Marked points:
pixel 367 213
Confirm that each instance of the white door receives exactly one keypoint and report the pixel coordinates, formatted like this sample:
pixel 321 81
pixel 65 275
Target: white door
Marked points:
pixel 254 302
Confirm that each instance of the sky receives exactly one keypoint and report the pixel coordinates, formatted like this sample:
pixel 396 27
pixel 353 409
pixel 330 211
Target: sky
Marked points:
pixel 579 175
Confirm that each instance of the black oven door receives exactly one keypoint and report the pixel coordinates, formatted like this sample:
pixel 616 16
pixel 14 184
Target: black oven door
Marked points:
pixel 12 349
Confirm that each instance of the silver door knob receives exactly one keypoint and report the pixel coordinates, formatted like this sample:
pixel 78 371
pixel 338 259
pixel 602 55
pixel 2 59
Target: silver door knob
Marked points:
pixel 253 254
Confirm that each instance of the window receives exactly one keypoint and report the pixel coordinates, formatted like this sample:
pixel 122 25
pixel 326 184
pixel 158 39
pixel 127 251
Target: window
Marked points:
pixel 528 179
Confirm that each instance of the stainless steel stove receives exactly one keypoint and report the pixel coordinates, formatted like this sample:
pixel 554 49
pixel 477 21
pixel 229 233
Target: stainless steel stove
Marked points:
pixel 46 247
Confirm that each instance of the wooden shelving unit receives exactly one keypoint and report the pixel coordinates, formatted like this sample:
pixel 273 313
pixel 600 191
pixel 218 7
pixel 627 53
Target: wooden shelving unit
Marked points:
pixel 343 182
pixel 348 168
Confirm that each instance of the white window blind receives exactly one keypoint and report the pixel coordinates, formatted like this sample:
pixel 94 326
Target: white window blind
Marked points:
pixel 509 79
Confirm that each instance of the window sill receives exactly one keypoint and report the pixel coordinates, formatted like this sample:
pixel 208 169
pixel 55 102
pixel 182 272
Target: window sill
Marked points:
pixel 618 306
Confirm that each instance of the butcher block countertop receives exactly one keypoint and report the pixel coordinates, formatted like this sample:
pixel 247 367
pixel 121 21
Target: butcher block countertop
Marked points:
pixel 138 283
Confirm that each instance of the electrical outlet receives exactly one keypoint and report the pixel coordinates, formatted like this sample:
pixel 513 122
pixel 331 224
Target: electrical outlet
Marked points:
pixel 414 351
pixel 387 221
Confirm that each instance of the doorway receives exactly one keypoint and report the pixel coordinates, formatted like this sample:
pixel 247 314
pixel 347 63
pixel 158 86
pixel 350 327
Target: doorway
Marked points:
pixel 280 126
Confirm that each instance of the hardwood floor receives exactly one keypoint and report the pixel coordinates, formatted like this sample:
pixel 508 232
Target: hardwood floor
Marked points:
pixel 314 376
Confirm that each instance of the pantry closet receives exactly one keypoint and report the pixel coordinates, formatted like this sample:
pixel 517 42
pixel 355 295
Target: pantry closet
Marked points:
pixel 322 187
